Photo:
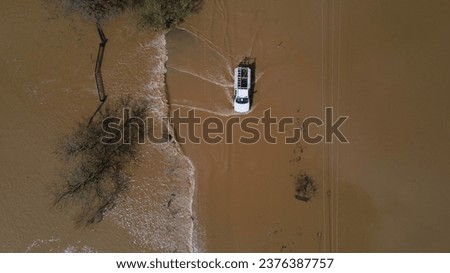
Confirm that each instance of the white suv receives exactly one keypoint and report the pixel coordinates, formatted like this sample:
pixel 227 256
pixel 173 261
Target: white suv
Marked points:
pixel 242 86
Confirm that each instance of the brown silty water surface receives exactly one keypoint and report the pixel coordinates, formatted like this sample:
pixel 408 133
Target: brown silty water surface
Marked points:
pixel 382 63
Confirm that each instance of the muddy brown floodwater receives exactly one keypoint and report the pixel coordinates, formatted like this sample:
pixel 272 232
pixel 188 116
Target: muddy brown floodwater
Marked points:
pixel 383 63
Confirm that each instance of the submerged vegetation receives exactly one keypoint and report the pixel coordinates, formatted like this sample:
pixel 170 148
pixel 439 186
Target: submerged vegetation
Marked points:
pixel 95 175
pixel 305 186
pixel 157 14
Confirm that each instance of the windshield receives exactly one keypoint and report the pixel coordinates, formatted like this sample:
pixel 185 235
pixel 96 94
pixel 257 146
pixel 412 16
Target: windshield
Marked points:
pixel 241 100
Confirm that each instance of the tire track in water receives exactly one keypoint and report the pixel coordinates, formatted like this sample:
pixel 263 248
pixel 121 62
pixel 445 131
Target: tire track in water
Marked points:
pixel 221 112
pixel 208 43
pixel 331 35
pixel 222 83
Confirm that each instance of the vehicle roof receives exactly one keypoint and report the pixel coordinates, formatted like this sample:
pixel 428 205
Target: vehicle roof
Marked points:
pixel 242 92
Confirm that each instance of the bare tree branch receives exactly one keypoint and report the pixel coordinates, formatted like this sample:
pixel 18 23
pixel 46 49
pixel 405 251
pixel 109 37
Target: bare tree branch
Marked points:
pixel 95 176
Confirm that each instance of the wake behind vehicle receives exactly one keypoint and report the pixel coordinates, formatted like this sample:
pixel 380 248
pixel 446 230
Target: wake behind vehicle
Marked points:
pixel 242 86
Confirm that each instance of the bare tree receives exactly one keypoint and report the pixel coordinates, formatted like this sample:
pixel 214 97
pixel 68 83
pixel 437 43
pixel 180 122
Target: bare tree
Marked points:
pixel 158 14
pixel 97 9
pixel 95 174
pixel 165 14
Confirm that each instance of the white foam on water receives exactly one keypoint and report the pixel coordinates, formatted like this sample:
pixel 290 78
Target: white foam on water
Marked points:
pixel 158 212
pixel 219 81
pixel 56 245
pixel 41 242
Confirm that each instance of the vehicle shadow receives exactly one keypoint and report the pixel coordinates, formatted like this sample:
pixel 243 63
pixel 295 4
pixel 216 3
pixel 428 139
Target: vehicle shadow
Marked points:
pixel 250 63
